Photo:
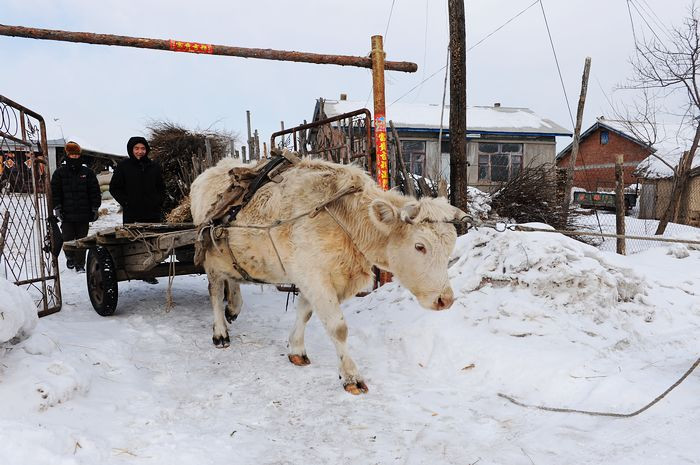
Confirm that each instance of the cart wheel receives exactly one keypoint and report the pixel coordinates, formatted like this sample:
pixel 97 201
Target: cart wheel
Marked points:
pixel 102 281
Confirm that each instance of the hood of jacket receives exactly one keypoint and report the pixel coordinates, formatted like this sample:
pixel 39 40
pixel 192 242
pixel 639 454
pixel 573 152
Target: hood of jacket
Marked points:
pixel 137 140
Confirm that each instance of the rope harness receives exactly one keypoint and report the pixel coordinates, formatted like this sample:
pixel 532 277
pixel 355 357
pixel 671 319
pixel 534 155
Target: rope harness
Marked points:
pixel 214 231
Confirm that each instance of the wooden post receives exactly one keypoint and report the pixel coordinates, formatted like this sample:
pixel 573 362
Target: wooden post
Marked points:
pixel 265 149
pixel 458 107
pixel 577 134
pixel 680 181
pixel 257 145
pixel 207 151
pixel 251 149
pixel 402 166
pixel 620 204
pixel 244 159
pixel 379 112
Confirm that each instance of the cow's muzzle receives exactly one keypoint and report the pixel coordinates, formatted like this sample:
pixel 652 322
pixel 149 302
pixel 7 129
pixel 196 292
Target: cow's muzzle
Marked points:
pixel 444 300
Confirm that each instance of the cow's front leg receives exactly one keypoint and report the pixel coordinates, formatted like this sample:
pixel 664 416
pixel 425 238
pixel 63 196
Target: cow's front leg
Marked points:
pixel 234 301
pixel 297 351
pixel 327 308
pixel 216 295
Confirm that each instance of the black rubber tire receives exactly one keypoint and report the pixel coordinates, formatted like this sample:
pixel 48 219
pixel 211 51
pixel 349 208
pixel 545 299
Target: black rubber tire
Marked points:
pixel 102 281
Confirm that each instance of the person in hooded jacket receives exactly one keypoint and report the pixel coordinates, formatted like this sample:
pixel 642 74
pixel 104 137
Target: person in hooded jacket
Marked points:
pixel 137 184
pixel 76 198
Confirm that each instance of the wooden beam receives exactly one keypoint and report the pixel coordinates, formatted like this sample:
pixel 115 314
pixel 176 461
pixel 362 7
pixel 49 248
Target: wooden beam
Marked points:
pixel 201 48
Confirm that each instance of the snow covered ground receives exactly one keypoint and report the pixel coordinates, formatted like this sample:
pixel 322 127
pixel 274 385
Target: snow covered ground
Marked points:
pixel 537 316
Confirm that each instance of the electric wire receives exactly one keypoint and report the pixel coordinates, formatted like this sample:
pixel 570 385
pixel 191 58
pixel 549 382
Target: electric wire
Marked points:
pixel 556 60
pixel 468 49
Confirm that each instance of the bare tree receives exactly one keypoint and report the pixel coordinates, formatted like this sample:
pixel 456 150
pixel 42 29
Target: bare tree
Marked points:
pixel 672 67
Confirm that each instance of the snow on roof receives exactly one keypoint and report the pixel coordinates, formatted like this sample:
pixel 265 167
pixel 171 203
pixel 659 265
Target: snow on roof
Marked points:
pixel 672 139
pixel 479 119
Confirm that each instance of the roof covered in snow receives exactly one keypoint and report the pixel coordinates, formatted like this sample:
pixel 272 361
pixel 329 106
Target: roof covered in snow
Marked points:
pixel 670 141
pixel 480 119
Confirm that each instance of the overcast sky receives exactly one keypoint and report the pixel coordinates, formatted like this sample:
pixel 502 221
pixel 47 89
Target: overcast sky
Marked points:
pixel 103 95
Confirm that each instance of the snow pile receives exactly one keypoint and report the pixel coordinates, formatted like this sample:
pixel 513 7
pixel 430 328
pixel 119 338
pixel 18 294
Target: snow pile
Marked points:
pixel 18 314
pixel 572 275
pixel 479 203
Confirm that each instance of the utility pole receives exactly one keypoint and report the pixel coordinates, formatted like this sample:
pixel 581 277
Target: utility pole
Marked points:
pixel 577 135
pixel 458 106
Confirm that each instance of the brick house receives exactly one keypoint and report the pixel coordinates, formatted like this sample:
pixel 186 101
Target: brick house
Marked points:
pixel 598 147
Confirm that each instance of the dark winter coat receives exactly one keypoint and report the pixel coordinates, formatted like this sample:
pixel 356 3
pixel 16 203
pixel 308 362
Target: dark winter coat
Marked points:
pixel 75 192
pixel 137 184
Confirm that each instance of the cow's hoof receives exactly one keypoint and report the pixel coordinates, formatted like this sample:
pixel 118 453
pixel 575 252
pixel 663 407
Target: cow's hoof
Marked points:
pixel 221 341
pixel 356 388
pixel 299 360
pixel 230 316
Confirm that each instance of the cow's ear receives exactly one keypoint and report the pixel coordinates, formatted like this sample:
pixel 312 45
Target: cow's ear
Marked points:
pixel 383 214
pixel 410 212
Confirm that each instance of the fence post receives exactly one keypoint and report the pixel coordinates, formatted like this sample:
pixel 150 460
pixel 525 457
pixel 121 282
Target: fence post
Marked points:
pixel 620 205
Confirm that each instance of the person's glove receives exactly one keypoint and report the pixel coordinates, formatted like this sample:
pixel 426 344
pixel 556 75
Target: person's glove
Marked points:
pixel 58 211
pixel 95 214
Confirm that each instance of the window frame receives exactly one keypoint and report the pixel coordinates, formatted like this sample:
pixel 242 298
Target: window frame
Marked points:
pixel 409 156
pixel 485 161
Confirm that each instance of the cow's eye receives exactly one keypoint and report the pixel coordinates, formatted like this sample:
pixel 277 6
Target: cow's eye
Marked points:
pixel 420 247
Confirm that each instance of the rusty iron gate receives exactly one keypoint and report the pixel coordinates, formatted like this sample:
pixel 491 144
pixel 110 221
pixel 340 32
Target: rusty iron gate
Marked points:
pixel 25 204
pixel 345 138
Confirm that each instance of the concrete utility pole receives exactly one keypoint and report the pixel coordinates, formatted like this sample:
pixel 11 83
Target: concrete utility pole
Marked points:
pixel 458 105
pixel 577 135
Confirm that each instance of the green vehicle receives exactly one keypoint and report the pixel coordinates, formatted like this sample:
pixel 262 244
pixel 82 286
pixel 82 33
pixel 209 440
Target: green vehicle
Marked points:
pixel 603 200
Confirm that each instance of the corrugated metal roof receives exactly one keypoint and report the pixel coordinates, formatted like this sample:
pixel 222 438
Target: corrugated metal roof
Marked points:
pixel 489 120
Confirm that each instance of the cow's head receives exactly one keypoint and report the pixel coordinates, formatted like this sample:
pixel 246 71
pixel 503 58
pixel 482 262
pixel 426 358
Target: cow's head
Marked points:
pixel 419 244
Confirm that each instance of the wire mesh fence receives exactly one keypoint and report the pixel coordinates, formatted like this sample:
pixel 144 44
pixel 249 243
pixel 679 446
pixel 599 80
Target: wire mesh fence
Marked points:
pixel 645 203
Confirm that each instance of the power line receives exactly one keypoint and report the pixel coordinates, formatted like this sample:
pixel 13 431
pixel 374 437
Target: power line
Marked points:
pixel 634 33
pixel 645 20
pixel 425 42
pixel 655 18
pixel 391 11
pixel 556 60
pixel 386 32
pixel 504 24
pixel 468 49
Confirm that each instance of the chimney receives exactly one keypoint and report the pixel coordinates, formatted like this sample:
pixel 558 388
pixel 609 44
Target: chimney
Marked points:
pixel 343 96
pixel 497 104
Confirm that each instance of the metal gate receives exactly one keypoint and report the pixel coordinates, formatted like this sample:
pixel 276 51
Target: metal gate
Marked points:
pixel 345 138
pixel 25 204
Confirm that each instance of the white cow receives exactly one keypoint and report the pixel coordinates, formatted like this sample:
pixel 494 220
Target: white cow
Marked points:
pixel 328 256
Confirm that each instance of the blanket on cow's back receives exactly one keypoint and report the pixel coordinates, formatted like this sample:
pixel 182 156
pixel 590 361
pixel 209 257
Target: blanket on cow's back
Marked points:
pixel 245 182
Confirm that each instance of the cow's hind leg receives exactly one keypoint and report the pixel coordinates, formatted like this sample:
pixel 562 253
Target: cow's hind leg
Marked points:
pixel 234 301
pixel 216 295
pixel 297 351
pixel 325 303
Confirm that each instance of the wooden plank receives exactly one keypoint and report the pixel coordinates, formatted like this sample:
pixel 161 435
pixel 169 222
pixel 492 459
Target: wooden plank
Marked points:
pixel 176 239
pixel 158 271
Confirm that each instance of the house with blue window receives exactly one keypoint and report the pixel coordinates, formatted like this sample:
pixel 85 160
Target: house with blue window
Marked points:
pixel 500 140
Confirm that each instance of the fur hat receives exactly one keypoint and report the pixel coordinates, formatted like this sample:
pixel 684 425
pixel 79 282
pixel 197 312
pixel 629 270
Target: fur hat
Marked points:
pixel 73 148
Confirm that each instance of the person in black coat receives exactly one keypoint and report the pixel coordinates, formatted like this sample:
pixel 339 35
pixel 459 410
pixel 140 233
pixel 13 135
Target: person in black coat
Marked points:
pixel 76 198
pixel 137 184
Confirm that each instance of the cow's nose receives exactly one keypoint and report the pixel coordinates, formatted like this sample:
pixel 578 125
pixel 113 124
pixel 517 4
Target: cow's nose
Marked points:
pixel 444 302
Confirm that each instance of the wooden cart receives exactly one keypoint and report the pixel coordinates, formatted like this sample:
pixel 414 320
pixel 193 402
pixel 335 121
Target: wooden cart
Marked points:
pixel 134 251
